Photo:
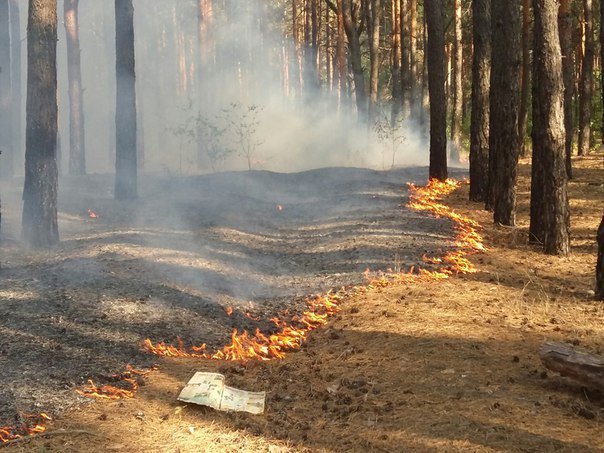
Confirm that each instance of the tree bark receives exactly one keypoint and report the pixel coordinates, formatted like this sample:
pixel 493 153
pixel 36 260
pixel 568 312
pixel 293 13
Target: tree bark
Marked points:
pixel 395 68
pixel 77 153
pixel 6 142
pixel 405 54
pixel 15 57
pixel 600 262
pixel 586 84
pixel 436 86
pixel 504 143
pixel 457 57
pixel 565 26
pixel 549 185
pixel 341 59
pixel 413 72
pixel 125 116
pixel 601 62
pixel 354 47
pixel 39 221
pixel 205 68
pixel 481 72
pixel 374 56
pixel 526 73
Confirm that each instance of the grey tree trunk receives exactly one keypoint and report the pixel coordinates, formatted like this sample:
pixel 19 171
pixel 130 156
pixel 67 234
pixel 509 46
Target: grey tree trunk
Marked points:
pixel 456 111
pixel 77 137
pixel 436 87
pixel 586 87
pixel 6 141
pixel 40 227
pixel 565 26
pixel 16 84
pixel 526 73
pixel 374 53
pixel 481 73
pixel 354 47
pixel 125 115
pixel 504 143
pixel 551 222
pixel 601 64
pixel 395 68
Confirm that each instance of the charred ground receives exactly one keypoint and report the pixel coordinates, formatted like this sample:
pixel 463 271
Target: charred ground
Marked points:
pixel 171 263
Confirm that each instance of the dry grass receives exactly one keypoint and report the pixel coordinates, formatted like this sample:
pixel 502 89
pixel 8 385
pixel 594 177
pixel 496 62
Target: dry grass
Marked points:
pixel 446 366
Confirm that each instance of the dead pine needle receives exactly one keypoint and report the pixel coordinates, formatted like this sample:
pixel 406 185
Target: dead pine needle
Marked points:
pixel 57 432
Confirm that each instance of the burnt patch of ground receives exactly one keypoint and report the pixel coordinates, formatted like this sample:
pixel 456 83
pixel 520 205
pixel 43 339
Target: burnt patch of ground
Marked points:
pixel 170 263
pixel 440 366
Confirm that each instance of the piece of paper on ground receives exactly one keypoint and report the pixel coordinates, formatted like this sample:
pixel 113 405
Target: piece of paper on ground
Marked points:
pixel 208 389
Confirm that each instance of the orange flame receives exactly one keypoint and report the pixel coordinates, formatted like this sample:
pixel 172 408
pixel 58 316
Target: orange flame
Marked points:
pixel 33 424
pixel 91 214
pixel 291 335
pixel 109 392
pixel 229 311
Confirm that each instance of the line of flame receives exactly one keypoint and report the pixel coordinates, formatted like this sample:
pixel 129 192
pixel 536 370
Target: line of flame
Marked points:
pixel 319 308
pixel 245 346
pixel 34 424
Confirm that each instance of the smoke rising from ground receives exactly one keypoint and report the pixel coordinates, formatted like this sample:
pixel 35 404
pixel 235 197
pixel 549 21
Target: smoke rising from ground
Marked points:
pixel 248 63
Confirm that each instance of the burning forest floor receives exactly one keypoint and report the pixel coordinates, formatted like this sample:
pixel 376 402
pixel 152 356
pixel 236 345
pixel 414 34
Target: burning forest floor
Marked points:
pixel 447 365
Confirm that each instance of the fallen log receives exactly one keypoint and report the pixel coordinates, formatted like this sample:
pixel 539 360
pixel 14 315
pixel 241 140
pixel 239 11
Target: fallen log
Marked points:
pixel 578 364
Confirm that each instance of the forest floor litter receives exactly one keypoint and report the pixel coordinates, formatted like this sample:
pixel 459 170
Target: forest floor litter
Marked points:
pixel 429 366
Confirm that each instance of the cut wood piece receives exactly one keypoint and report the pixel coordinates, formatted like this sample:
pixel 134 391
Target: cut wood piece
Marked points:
pixel 575 363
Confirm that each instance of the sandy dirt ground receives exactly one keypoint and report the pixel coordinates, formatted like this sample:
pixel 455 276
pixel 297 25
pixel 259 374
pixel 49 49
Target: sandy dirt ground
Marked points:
pixel 428 366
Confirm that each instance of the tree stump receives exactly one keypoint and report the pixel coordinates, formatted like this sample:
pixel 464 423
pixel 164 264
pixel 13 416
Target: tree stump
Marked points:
pixel 581 365
pixel 600 264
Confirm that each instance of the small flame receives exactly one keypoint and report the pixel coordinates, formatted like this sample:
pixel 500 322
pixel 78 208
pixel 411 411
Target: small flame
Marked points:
pixel 279 207
pixel 259 346
pixel 229 311
pixel 291 335
pixel 128 379
pixel 32 425
pixel 91 214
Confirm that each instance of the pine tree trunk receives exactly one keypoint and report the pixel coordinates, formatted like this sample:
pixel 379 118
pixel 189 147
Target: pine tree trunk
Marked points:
pixel 600 262
pixel 565 26
pixel 601 64
pixel 17 123
pixel 6 142
pixel 354 47
pixel 205 68
pixel 436 86
pixel 413 72
pixel 587 80
pixel 548 130
pixel 374 56
pixel 481 70
pixel 40 227
pixel 504 143
pixel 405 66
pixel 341 59
pixel 125 116
pixel 526 73
pixel 457 58
pixel 77 153
pixel 397 93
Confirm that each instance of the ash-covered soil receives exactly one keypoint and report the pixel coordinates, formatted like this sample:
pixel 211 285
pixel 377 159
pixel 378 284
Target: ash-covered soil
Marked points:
pixel 170 263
